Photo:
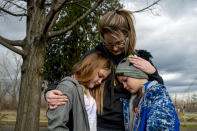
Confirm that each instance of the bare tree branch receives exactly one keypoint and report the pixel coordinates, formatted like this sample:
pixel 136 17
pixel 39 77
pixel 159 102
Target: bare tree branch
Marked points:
pixel 82 6
pixel 54 20
pixel 9 1
pixel 18 62
pixel 137 11
pixel 5 64
pixel 60 32
pixel 55 7
pixel 10 45
pixel 12 75
pixel 74 2
pixel 13 43
pixel 11 13
pixel 67 3
pixel 42 3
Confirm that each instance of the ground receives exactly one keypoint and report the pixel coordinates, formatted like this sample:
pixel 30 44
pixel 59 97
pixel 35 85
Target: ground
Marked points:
pixel 8 121
pixel 9 117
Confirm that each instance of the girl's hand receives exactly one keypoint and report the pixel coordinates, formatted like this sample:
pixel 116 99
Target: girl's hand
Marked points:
pixel 142 64
pixel 55 98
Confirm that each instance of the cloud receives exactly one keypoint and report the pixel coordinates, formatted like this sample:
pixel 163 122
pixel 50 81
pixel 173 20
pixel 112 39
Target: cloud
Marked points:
pixel 178 9
pixel 171 39
pixel 12 27
pixel 171 76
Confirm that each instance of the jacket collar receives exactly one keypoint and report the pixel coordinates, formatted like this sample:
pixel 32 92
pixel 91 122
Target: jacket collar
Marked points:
pixel 147 85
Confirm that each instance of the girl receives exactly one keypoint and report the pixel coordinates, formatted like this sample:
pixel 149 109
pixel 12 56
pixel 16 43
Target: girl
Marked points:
pixel 150 107
pixel 84 91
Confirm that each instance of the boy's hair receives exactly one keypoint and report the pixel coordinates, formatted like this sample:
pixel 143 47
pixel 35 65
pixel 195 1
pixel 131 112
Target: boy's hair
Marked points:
pixel 119 20
pixel 86 69
pixel 125 68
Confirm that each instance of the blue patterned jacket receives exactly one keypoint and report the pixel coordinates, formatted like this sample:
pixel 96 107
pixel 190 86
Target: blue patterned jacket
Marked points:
pixel 155 112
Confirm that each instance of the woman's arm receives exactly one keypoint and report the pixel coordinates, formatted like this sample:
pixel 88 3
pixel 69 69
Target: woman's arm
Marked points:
pixel 59 117
pixel 55 98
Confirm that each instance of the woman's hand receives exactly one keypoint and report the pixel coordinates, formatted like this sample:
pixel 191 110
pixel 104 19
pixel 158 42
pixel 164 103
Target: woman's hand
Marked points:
pixel 55 98
pixel 142 64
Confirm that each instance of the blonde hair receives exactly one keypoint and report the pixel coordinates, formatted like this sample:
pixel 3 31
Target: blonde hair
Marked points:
pixel 120 20
pixel 85 70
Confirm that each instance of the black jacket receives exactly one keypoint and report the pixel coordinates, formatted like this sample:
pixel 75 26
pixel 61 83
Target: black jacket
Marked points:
pixel 112 116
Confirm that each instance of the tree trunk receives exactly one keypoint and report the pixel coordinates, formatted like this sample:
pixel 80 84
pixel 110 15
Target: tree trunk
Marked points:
pixel 28 112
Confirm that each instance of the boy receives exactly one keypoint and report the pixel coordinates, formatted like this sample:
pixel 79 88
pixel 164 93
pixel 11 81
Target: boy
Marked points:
pixel 150 106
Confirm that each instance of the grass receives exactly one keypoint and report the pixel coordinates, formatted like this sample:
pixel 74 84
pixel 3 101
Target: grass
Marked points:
pixel 8 117
pixel 189 126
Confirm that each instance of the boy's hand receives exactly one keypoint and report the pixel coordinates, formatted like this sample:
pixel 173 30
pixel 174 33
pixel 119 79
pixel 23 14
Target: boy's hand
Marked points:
pixel 55 98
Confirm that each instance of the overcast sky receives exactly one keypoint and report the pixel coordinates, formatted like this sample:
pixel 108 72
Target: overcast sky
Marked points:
pixel 170 36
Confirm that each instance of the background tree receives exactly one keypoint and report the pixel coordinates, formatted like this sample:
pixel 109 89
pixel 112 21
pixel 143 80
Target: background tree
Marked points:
pixel 64 51
pixel 9 80
pixel 41 16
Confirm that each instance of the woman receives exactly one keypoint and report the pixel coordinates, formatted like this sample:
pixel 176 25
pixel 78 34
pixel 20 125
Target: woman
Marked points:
pixel 85 95
pixel 118 41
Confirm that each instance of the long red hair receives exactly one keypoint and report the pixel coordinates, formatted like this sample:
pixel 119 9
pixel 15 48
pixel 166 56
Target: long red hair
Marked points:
pixel 86 69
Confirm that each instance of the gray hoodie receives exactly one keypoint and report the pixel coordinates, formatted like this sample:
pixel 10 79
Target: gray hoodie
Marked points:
pixel 59 117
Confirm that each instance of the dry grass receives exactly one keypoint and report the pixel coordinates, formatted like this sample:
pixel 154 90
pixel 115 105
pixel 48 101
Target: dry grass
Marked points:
pixel 11 114
pixel 193 116
pixel 10 117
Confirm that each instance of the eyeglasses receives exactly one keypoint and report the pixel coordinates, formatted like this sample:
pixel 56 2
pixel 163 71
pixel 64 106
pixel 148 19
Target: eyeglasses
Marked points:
pixel 118 44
